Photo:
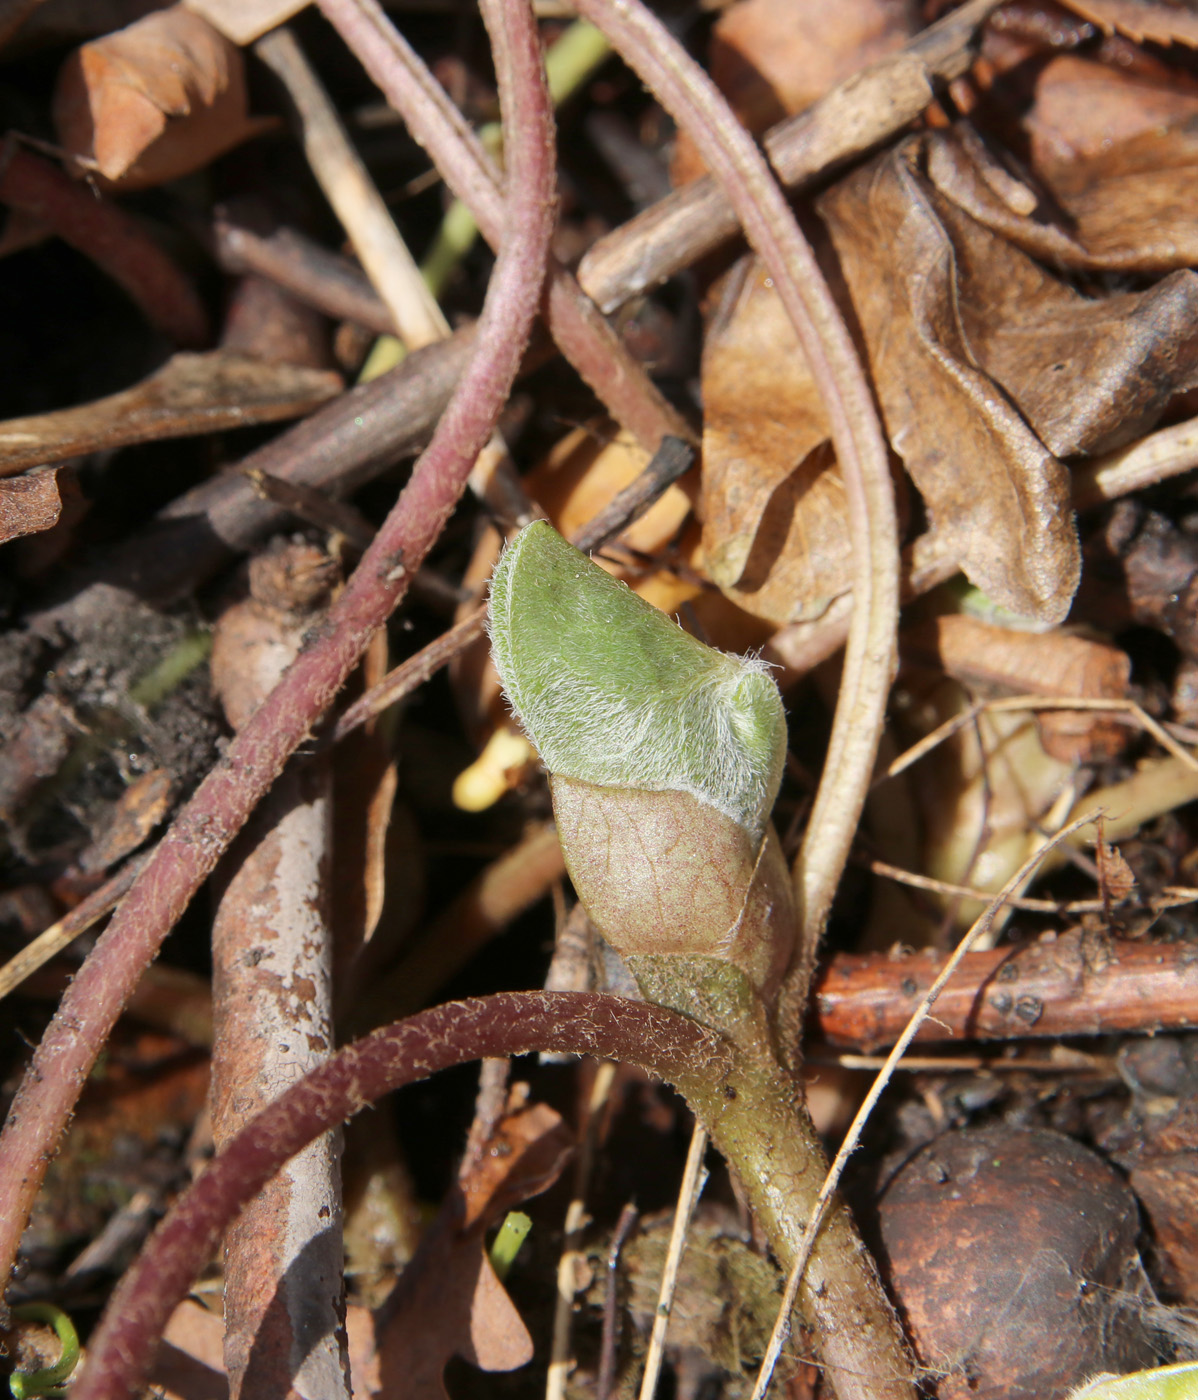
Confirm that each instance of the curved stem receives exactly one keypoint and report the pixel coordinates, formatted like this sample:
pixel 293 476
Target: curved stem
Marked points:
pixel 732 157
pixel 214 815
pixel 512 1023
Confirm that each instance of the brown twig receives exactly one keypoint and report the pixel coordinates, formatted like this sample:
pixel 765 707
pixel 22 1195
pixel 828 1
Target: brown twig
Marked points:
pixel 108 236
pixel 313 275
pixel 189 395
pixel 862 112
pixel 220 807
pixel 1076 984
pixel 284 1305
pixel 581 332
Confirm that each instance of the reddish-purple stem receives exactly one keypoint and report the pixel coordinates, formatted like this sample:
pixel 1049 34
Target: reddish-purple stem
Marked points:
pixel 112 239
pixel 511 1023
pixel 575 322
pixel 216 813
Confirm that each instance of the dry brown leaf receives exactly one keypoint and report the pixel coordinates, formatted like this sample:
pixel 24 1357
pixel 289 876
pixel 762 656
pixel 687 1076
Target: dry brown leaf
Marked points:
pixel 1143 21
pixel 764 61
pixel 1088 373
pixel 994 493
pixel 156 100
pixel 986 658
pixel 775 529
pixel 448 1301
pixel 191 1362
pixel 191 394
pixel 1116 152
pixel 29 503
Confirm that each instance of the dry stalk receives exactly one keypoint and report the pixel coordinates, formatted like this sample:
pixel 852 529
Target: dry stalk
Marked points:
pixel 272 1010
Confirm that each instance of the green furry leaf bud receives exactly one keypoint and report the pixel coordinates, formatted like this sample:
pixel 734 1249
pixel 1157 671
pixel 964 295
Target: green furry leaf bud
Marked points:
pixel 613 692
pixel 664 758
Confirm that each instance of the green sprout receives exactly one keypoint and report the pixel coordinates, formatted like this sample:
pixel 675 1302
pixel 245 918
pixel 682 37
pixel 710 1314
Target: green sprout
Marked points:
pixel 614 693
pixel 506 1244
pixel 48 1380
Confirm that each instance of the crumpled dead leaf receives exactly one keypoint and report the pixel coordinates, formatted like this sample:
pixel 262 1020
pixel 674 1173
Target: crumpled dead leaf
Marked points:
pixel 995 494
pixel 1114 149
pixel 29 503
pixel 1088 373
pixel 988 368
pixel 448 1300
pixel 158 99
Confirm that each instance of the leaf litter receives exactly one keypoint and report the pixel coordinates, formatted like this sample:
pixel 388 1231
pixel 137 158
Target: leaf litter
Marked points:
pixel 1019 272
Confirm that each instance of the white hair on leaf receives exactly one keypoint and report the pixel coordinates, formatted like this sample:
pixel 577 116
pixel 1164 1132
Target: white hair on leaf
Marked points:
pixel 613 692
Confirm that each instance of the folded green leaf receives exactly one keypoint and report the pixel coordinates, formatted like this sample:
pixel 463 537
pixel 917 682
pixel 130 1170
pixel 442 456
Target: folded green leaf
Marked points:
pixel 612 692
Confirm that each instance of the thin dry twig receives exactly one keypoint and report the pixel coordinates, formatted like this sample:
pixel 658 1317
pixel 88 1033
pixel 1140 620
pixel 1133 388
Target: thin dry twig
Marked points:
pixel 694 1178
pixel 219 808
pixel 611 1300
pixel 347 186
pixel 1169 899
pixel 560 1358
pixel 1015 703
pixel 782 1325
pixel 1153 459
pixel 51 941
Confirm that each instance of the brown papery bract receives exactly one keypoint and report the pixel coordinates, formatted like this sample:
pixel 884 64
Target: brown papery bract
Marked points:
pixel 662 874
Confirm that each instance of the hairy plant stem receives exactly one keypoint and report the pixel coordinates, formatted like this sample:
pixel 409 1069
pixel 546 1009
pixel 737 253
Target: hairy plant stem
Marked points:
pixel 859 1335
pixel 738 1093
pixel 203 830
pixel 757 1118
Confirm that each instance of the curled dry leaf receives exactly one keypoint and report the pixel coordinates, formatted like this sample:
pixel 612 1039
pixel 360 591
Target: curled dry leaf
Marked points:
pixel 156 100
